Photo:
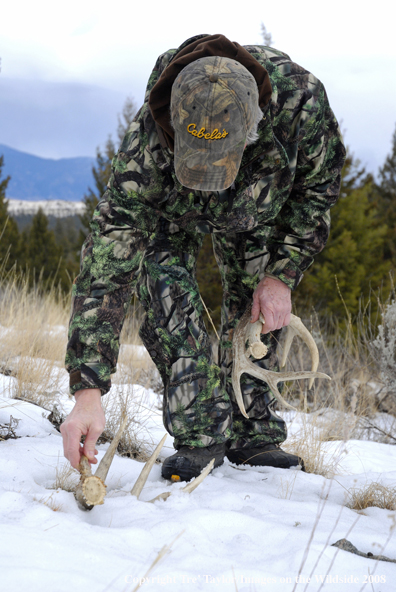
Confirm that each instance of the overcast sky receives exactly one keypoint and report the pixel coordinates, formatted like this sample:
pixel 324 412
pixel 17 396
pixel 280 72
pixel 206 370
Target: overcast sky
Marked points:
pixel 67 68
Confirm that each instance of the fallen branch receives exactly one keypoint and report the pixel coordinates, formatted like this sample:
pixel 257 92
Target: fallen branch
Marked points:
pixel 345 545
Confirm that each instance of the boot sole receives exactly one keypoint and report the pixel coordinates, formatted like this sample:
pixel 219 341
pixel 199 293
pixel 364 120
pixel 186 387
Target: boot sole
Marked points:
pixel 275 463
pixel 184 473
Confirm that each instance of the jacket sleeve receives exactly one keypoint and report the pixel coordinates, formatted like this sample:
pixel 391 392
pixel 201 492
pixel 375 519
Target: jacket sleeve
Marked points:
pixel 111 258
pixel 302 226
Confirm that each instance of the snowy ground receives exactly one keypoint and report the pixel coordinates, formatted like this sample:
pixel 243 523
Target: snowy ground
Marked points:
pixel 243 529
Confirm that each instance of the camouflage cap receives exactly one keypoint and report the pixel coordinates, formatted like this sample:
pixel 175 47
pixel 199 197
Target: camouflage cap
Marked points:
pixel 214 104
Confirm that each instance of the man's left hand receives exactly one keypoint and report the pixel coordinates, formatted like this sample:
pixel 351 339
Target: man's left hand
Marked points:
pixel 273 299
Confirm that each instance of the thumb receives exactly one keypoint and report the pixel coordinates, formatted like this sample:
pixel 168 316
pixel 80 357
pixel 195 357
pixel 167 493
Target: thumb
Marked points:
pixel 89 447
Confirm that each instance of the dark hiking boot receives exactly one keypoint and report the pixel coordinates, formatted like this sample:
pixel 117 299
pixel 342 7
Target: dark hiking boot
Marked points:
pixel 267 455
pixel 188 462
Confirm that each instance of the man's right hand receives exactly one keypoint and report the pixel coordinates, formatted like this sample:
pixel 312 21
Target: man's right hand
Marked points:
pixel 87 418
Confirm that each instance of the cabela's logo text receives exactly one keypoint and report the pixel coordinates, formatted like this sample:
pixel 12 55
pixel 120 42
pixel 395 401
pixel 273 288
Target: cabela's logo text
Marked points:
pixel 202 133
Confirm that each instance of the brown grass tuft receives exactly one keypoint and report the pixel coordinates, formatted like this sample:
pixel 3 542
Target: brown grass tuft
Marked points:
pixel 371 495
pixel 50 503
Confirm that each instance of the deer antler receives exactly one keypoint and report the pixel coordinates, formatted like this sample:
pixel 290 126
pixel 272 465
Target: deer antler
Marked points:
pixel 247 331
pixel 91 489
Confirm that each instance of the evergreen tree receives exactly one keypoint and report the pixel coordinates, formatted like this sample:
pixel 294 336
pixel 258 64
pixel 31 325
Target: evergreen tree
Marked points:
pixel 9 234
pixel 101 173
pixel 266 36
pixel 386 199
pixel 43 256
pixel 67 236
pixel 352 262
pixel 102 170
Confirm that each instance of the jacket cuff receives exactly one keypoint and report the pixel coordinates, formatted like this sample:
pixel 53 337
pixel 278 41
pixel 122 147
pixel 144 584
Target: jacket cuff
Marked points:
pixel 286 271
pixel 86 378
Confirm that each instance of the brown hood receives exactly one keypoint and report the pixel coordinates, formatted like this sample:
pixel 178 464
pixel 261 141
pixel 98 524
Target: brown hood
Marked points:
pixel 210 45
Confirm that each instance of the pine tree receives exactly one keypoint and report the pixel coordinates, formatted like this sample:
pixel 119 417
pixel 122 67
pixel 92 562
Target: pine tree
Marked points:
pixel 101 173
pixel 386 198
pixel 67 237
pixel 352 262
pixel 9 234
pixel 102 170
pixel 266 36
pixel 43 256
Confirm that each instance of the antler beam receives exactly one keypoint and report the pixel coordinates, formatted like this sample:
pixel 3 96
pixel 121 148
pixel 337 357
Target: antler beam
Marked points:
pixel 247 332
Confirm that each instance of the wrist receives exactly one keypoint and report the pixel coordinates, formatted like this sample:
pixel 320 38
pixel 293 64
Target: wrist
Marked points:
pixel 271 280
pixel 88 394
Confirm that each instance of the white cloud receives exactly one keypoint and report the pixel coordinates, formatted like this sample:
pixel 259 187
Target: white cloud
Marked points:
pixel 350 49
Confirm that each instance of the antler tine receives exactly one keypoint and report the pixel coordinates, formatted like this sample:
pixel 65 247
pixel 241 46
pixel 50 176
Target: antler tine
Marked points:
pixel 296 327
pixel 242 364
pixel 272 378
pixel 104 465
pixel 141 480
pixel 190 486
pixel 239 354
pixel 198 480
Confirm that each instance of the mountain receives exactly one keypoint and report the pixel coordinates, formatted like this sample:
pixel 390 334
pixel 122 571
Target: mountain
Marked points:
pixel 34 178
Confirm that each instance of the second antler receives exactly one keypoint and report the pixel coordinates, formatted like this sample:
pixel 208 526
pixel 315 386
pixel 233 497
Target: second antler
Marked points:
pixel 249 333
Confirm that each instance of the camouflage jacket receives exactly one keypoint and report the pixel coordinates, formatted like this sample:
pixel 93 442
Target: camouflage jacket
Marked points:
pixel 286 185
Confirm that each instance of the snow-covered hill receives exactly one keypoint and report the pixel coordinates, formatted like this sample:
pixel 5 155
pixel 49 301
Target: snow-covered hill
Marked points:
pixel 54 207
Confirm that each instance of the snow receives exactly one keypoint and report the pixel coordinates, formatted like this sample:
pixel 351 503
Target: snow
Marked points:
pixel 265 527
pixel 51 207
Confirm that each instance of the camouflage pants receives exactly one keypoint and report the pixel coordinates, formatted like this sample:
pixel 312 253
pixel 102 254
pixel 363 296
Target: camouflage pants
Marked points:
pixel 199 405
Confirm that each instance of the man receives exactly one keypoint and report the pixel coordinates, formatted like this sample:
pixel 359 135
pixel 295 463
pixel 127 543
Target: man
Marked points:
pixel 235 141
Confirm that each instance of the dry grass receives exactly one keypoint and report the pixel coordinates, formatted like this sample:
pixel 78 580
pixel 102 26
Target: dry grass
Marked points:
pixel 33 340
pixel 50 503
pixel 66 478
pixel 136 441
pixel 33 331
pixel 32 347
pixel 345 407
pixel 308 445
pixel 373 494
pixel 286 487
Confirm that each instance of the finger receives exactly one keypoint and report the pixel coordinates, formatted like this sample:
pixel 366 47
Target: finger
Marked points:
pixel 89 445
pixel 255 311
pixel 283 320
pixel 278 322
pixel 269 321
pixel 64 440
pixel 73 446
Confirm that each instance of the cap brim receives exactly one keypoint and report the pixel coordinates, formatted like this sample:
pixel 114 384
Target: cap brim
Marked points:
pixel 207 169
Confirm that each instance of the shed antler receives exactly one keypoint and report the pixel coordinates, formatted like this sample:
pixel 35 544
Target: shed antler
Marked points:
pixel 91 489
pixel 247 332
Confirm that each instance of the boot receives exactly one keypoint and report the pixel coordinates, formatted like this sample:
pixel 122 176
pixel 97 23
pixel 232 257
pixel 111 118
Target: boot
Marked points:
pixel 188 462
pixel 266 455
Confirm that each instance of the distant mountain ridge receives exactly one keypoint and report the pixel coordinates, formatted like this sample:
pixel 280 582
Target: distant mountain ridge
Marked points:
pixel 57 207
pixel 57 210
pixel 34 178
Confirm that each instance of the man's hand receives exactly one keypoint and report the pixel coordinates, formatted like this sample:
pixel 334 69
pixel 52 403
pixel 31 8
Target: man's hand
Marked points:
pixel 273 299
pixel 87 418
